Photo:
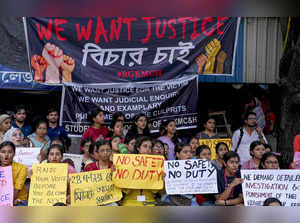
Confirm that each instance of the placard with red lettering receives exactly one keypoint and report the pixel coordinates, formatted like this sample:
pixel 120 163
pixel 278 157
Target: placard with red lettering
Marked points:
pixel 126 49
pixel 259 185
pixel 138 171
pixel 27 156
pixel 6 186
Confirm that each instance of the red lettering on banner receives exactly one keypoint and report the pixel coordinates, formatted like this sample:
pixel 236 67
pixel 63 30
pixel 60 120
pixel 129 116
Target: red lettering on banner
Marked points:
pixel 84 32
pixel 195 34
pixel 128 21
pixel 183 21
pixel 203 26
pixel 220 24
pixel 135 176
pixel 172 28
pixel 162 34
pixel 123 160
pixel 115 29
pixel 58 29
pixel 100 31
pixel 148 20
pixel 3 182
pixel 42 30
pixel 121 174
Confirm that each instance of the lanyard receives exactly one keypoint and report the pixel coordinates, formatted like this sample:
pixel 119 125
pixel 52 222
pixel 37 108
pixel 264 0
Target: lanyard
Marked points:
pixel 226 185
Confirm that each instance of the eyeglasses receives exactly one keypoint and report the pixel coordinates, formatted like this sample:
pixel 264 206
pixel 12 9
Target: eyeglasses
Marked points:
pixel 104 150
pixel 271 162
pixel 158 148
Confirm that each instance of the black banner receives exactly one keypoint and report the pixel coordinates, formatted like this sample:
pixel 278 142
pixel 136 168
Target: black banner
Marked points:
pixel 175 99
pixel 123 49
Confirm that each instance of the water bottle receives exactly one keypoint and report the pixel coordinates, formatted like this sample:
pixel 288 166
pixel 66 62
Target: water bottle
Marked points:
pixel 122 148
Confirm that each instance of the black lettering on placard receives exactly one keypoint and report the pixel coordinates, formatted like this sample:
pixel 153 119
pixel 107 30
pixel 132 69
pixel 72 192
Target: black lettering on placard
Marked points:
pixel 104 198
pixel 211 171
pixel 291 196
pixel 174 174
pixel 247 176
pixel 197 164
pixel 109 177
pixel 263 177
pixel 173 164
pixel 81 195
pixel 195 173
pixel 104 189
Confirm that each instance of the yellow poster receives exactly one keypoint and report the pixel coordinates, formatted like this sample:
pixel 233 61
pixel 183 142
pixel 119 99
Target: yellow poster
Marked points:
pixel 212 144
pixel 93 188
pixel 138 171
pixel 48 184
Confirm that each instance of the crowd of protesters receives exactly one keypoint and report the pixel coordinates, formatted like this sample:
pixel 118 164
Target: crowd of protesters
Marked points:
pixel 99 142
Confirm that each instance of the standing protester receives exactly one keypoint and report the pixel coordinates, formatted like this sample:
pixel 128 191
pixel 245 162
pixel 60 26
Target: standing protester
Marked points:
pixel 209 130
pixel 55 130
pixel 20 120
pixel 194 143
pixel 229 182
pixel 257 150
pixel 243 137
pixel 139 127
pixel 97 130
pixel 5 125
pixel 254 105
pixel 19 172
pixel 170 137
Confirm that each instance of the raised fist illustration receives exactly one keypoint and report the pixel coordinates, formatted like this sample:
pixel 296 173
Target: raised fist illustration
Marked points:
pixel 54 58
pixel 67 66
pixel 212 49
pixel 39 64
pixel 220 62
pixel 201 60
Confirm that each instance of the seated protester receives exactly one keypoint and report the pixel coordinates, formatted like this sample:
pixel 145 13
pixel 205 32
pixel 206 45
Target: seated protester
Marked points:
pixel 143 146
pixel 158 148
pixel 269 161
pixel 40 139
pixel 117 146
pixel 139 127
pixel 55 130
pixel 20 120
pixel 229 181
pixel 116 129
pixel 130 142
pixel 102 151
pixel 221 149
pixel 257 150
pixel 203 152
pixel 271 201
pixel 170 137
pixel 183 152
pixel 69 161
pixel 19 172
pixel 97 130
pixel 209 130
pixel 84 149
pixel 5 125
pixel 194 143
pixel 15 136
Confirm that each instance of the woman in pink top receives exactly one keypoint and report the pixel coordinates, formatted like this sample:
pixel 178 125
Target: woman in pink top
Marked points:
pixel 257 150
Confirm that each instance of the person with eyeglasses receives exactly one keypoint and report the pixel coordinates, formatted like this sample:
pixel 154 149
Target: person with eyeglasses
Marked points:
pixel 269 161
pixel 158 148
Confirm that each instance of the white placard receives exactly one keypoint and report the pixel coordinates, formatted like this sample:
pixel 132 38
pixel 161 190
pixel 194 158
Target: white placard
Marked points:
pixel 77 159
pixel 259 185
pixel 190 177
pixel 27 156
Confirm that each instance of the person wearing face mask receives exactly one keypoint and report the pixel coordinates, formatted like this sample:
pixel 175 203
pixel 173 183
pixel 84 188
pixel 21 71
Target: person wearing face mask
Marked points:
pixel 15 136
pixel 243 137
pixel 5 125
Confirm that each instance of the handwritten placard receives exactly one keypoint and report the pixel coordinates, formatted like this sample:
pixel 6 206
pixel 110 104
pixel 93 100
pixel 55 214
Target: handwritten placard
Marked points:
pixel 27 156
pixel 48 184
pixel 138 171
pixel 93 188
pixel 76 158
pixel 212 144
pixel 259 185
pixel 190 177
pixel 6 186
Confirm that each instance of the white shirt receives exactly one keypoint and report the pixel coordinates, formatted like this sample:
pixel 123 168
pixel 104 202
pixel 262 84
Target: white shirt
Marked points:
pixel 244 148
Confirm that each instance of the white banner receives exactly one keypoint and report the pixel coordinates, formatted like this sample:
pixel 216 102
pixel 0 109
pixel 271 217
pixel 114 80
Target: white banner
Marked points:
pixel 76 158
pixel 190 177
pixel 27 156
pixel 259 185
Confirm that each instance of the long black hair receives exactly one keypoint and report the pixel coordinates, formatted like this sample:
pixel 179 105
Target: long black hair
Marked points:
pixel 134 128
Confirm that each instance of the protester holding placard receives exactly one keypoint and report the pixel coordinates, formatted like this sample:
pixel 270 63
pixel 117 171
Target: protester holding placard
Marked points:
pixel 102 152
pixel 229 181
pixel 158 148
pixel 97 130
pixel 15 136
pixel 269 161
pixel 203 152
pixel 130 142
pixel 221 149
pixel 141 197
pixel 170 137
pixel 257 150
pixel 209 130
pixel 19 172
pixel 139 126
pixel 194 143
pixel 5 125
pixel 84 149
